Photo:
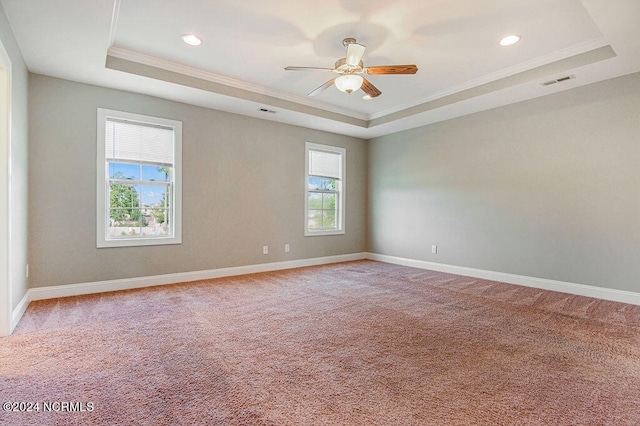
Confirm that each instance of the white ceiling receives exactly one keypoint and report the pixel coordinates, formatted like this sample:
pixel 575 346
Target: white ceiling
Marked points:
pixel 135 45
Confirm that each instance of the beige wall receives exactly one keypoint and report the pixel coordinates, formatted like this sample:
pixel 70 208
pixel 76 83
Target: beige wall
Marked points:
pixel 547 188
pixel 18 163
pixel 243 187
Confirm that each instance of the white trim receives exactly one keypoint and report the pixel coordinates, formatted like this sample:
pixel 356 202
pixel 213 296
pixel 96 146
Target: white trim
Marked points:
pixel 19 311
pixel 114 22
pixel 6 284
pixel 342 198
pixel 101 192
pixel 568 52
pixel 67 290
pixel 153 61
pixel 541 283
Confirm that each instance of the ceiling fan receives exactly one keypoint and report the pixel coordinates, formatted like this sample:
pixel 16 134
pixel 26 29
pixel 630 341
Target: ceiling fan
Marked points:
pixel 350 68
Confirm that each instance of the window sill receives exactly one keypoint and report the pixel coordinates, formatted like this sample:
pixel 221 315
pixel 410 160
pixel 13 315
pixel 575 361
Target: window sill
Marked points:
pixel 138 242
pixel 308 233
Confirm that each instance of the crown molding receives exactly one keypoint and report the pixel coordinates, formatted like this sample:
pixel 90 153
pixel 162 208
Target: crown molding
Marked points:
pixel 531 74
pixel 558 55
pixel 572 57
pixel 165 64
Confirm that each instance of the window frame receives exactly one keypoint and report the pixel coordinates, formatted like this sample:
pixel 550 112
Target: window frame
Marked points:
pixel 340 191
pixel 102 192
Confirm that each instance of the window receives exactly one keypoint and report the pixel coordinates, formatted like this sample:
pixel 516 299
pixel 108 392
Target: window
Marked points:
pixel 139 180
pixel 324 190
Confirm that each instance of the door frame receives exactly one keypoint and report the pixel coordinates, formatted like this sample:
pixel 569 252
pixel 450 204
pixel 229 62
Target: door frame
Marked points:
pixel 5 194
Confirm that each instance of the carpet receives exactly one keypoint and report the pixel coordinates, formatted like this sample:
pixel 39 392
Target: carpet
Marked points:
pixel 355 343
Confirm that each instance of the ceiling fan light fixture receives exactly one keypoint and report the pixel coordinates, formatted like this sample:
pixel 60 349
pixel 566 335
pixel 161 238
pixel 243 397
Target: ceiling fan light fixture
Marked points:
pixel 510 40
pixel 367 97
pixel 349 83
pixel 191 39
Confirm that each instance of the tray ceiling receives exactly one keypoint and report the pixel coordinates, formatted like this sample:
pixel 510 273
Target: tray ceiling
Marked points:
pixel 135 45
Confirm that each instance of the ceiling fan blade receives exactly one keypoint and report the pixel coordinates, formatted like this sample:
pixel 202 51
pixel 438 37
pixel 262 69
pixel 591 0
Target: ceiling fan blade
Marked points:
pixel 370 89
pixel 354 54
pixel 307 68
pixel 322 88
pixel 391 69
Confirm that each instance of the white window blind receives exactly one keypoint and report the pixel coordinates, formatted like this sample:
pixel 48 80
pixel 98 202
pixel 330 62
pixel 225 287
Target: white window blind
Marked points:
pixel 325 164
pixel 127 141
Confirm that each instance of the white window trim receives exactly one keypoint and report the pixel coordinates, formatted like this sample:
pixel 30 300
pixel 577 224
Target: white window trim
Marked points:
pixel 341 191
pixel 102 217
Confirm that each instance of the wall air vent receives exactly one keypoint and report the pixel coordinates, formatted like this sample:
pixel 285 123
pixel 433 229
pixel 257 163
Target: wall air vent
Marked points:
pixel 268 111
pixel 558 80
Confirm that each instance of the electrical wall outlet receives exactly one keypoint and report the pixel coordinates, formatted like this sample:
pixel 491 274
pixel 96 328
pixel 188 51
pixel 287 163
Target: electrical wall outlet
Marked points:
pixel 286 248
pixel 265 249
pixel 434 249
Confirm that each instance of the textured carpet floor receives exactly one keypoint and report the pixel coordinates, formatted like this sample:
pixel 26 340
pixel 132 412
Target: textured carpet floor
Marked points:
pixel 362 343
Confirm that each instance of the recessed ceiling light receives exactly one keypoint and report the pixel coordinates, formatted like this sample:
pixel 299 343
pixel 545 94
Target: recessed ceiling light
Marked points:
pixel 191 39
pixel 509 40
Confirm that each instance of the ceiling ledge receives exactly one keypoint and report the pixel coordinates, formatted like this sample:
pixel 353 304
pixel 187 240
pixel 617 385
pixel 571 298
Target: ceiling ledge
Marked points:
pixel 132 62
pixel 160 69
pixel 540 72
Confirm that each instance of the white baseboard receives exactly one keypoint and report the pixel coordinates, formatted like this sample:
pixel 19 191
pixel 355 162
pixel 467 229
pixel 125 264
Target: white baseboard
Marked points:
pixel 541 283
pixel 19 311
pixel 67 290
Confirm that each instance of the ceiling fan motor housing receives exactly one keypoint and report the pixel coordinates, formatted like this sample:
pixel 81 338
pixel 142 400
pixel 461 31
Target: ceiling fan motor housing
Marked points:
pixel 342 67
pixel 347 41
